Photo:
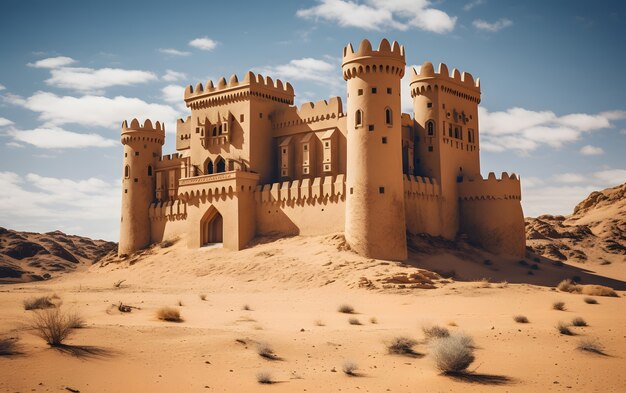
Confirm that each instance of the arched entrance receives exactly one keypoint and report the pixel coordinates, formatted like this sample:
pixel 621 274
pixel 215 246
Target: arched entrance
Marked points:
pixel 212 227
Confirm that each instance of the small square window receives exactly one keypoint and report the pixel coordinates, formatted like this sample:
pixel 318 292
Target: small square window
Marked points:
pixel 136 153
pixel 284 151
pixel 351 190
pixel 326 144
pixel 370 127
pixel 260 115
pixel 374 90
pixel 429 105
pixel 125 154
pixel 443 106
pixel 125 191
pixel 389 90
pixel 305 171
pixel 430 148
pixel 241 118
pixel 381 190
pixel 136 180
pixel 327 167
pixel 306 147
pixel 360 92
pixel 384 140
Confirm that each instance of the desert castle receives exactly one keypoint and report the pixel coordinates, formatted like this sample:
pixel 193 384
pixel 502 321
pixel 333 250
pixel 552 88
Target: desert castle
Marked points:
pixel 250 163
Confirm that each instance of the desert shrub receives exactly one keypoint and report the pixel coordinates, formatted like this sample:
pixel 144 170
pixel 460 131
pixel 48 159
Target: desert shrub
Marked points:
pixel 202 296
pixel 265 351
pixel 597 290
pixel 38 303
pixel 590 345
pixel 566 286
pixel 564 329
pixel 319 322
pixel 246 307
pixel 590 300
pixel 354 321
pixel 452 355
pixel 402 345
pixel 52 325
pixel 373 320
pixel 503 284
pixel 558 306
pixel 466 340
pixel 578 321
pixel 264 377
pixel 435 332
pixel 346 309
pixel 180 303
pixel 118 284
pixel 483 283
pixel 520 319
pixel 169 314
pixel 8 346
pixel 349 367
pixel 75 321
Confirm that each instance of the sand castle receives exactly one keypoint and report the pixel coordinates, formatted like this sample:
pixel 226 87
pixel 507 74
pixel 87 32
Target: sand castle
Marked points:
pixel 249 163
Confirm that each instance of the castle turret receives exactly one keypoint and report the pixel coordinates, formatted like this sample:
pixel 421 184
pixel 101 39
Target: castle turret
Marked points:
pixel 375 216
pixel 142 149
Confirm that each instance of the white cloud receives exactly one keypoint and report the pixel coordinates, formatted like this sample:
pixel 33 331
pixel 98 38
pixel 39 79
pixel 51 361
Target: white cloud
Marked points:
pixel 90 80
pixel 407 101
pixel 90 207
pixel 56 138
pixel 94 111
pixel 569 178
pixel 173 52
pixel 321 72
pixel 173 93
pixel 492 27
pixel 5 122
pixel 381 15
pixel 203 43
pixel 173 76
pixel 589 150
pixel 531 182
pixel 473 4
pixel 610 177
pixel 53 62
pixel 525 130
pixel 2 87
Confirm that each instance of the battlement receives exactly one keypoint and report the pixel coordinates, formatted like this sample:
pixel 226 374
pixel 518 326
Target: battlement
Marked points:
pixel 170 157
pixel 146 126
pixel 507 187
pixel 300 191
pixel 254 85
pixel 418 186
pixel 427 74
pixel 389 58
pixel 146 132
pixel 309 112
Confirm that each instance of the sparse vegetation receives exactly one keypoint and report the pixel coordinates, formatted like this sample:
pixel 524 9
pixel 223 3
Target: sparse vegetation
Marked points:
pixel 558 306
pixel 118 284
pixel 578 321
pixel 75 321
pixel 435 332
pixel 349 368
pixel 38 303
pixel 319 322
pixel 346 309
pixel 503 284
pixel 520 319
pixel 246 307
pixel 52 325
pixel 203 297
pixel 566 286
pixel 452 354
pixel 265 351
pixel 590 300
pixel 264 377
pixel 402 346
pixel 169 314
pixel 9 346
pixel 354 321
pixel 180 303
pixel 373 320
pixel 484 283
pixel 564 329
pixel 590 345
pixel 591 290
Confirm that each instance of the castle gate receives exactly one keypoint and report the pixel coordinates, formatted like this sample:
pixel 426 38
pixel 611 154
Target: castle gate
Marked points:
pixel 212 227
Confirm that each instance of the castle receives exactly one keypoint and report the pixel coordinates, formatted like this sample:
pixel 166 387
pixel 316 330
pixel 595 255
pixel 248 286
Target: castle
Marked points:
pixel 249 163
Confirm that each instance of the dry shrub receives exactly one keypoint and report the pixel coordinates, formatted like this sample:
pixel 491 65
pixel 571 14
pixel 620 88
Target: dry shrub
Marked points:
pixel 75 321
pixel 169 314
pixel 578 321
pixel 9 346
pixel 590 345
pixel 558 306
pixel 503 284
pixel 354 321
pixel 319 322
pixel 520 319
pixel 180 303
pixel 349 368
pixel 435 332
pixel 373 320
pixel 483 283
pixel 564 329
pixel 566 286
pixel 118 284
pixel 265 351
pixel 590 290
pixel 465 340
pixel 402 346
pixel 52 325
pixel 246 307
pixel 202 296
pixel 38 303
pixel 264 377
pixel 590 300
pixel 452 355
pixel 346 309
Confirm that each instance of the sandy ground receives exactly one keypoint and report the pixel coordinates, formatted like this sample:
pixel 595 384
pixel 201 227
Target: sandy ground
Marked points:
pixel 293 288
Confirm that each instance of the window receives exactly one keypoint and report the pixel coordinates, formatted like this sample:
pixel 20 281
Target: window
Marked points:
pixel 221 165
pixel 351 190
pixel 326 144
pixel 370 127
pixel 430 148
pixel 241 118
pixel 214 131
pixel 284 151
pixel 125 191
pixel 388 116
pixel 125 154
pixel 381 190
pixel 389 90
pixel 358 118
pixel 127 171
pixel 260 115
pixel 374 90
pixel 136 180
pixel 384 140
pixel 429 105
pixel 430 128
pixel 136 153
pixel 149 170
pixel 219 131
pixel 209 167
pixel 305 147
pixel 360 92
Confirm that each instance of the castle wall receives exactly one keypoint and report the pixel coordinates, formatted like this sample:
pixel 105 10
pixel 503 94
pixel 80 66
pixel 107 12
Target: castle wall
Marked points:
pixel 423 203
pixel 491 214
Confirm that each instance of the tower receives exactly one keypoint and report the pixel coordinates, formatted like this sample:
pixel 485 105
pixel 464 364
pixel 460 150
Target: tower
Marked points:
pixel 375 216
pixel 142 150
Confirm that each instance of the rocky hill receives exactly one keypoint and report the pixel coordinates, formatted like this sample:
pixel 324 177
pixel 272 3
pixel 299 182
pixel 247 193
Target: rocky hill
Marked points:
pixel 594 233
pixel 27 256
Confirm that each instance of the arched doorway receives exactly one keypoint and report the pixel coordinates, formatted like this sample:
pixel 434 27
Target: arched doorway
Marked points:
pixel 212 227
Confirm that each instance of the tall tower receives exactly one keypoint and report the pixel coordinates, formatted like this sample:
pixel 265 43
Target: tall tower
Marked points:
pixel 142 150
pixel 375 217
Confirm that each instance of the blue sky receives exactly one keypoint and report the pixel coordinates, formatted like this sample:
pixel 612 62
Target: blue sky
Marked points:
pixel 553 107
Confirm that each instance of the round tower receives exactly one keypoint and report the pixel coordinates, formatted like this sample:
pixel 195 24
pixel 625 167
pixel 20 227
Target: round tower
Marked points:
pixel 142 150
pixel 375 216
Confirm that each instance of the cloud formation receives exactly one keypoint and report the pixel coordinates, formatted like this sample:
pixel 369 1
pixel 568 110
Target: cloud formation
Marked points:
pixel 89 79
pixel 173 93
pixel 381 15
pixel 173 76
pixel 173 52
pixel 5 122
pixel 203 43
pixel 57 138
pixel 492 27
pixel 473 4
pixel 53 62
pixel 589 150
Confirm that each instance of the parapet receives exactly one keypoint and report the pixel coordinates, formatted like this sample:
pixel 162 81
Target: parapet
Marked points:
pixel 309 112
pixel 427 74
pixel 507 187
pixel 388 58
pixel 252 84
pixel 147 131
pixel 146 126
pixel 301 191
pixel 420 187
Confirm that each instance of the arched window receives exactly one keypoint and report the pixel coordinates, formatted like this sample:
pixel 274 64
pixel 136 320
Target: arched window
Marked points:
pixel 214 131
pixel 388 116
pixel 430 128
pixel 220 130
pixel 221 165
pixel 127 171
pixel 358 118
pixel 149 170
pixel 209 167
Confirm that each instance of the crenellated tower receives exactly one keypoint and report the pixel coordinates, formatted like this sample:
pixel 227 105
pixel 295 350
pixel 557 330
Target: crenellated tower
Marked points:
pixel 375 216
pixel 142 150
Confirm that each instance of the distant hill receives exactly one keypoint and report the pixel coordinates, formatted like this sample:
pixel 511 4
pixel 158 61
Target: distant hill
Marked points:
pixel 27 256
pixel 595 232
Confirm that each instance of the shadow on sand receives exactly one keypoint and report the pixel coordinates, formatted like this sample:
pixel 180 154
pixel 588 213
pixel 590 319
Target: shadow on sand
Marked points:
pixel 481 379
pixel 85 351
